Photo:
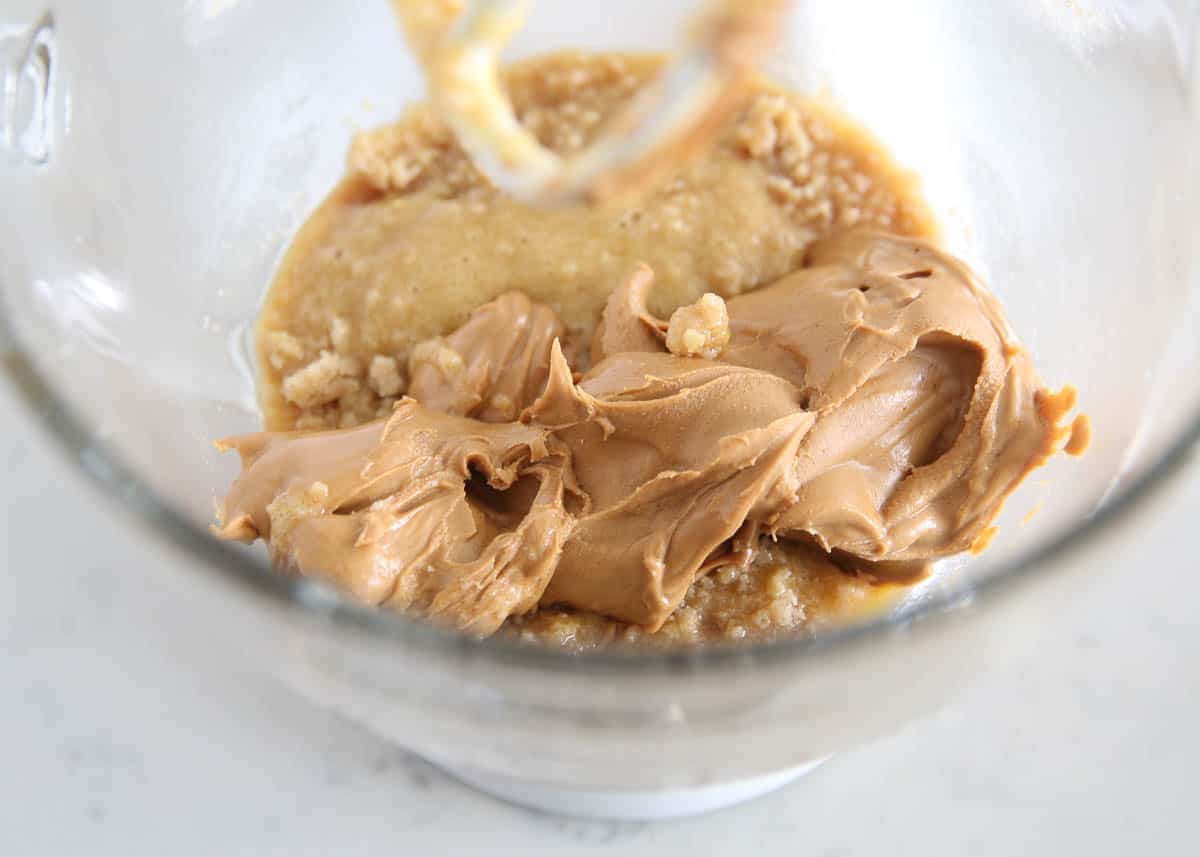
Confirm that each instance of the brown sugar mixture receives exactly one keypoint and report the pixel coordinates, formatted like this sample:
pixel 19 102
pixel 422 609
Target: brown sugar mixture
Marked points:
pixel 734 408
pixel 415 238
pixel 786 589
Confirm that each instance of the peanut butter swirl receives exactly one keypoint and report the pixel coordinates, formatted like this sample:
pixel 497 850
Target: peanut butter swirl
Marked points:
pixel 874 404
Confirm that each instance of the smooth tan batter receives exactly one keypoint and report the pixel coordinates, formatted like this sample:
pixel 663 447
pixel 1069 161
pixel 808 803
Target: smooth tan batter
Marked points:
pixel 729 410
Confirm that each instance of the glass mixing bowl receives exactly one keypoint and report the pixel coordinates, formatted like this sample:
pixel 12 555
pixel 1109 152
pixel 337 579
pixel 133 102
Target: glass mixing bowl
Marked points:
pixel 155 158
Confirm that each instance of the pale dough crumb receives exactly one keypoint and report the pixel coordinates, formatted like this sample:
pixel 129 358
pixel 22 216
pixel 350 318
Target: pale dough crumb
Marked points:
pixel 372 157
pixel 326 379
pixel 437 353
pixel 700 329
pixel 383 376
pixel 283 349
pixel 778 580
pixel 293 506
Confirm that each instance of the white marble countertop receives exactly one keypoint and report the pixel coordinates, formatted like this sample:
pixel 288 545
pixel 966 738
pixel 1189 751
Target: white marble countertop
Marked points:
pixel 120 737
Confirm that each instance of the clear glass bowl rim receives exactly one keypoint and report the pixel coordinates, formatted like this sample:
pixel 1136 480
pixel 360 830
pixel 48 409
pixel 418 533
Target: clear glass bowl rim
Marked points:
pixel 104 467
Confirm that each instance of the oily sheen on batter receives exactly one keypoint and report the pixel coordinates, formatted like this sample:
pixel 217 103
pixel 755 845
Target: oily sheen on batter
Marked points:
pixel 735 407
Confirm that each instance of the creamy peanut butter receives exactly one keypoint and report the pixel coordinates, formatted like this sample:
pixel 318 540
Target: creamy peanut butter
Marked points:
pixel 874 404
pixel 737 407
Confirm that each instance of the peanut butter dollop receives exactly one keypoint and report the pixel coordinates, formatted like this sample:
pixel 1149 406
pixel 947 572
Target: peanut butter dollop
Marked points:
pixel 874 403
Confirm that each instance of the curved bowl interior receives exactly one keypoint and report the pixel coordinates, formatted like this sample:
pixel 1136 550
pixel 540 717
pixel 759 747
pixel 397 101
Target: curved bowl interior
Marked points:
pixel 189 140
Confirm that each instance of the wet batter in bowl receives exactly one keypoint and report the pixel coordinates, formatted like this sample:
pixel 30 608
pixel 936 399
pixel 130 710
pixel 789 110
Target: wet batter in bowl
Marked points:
pixel 736 407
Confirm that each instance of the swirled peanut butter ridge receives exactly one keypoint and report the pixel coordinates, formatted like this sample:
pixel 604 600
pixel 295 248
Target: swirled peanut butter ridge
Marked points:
pixel 874 404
